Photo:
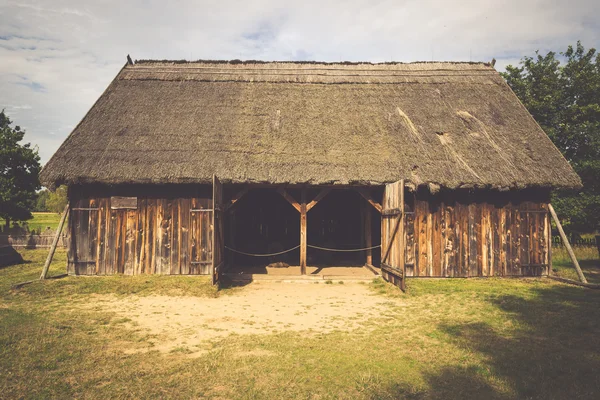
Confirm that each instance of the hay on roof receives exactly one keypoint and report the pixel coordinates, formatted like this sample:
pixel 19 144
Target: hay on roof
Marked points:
pixel 310 123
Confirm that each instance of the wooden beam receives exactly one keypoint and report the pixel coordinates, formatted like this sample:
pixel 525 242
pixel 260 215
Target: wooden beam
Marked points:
pixel 303 232
pixel 402 238
pixel 324 192
pixel 391 241
pixel 567 244
pixel 368 231
pixel 364 193
pixel 289 198
pixel 235 198
pixel 55 242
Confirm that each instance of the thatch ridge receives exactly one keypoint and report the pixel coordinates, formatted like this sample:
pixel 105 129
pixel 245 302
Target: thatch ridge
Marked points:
pixel 448 124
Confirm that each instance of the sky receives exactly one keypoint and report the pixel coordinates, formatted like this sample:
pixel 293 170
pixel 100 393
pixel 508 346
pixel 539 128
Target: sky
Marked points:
pixel 58 56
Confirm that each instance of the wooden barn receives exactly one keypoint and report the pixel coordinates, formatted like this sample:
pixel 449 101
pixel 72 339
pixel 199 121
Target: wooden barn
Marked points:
pixel 420 170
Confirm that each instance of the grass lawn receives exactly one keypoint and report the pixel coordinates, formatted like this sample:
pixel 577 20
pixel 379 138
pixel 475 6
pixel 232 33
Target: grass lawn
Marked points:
pixel 456 339
pixel 587 258
pixel 42 220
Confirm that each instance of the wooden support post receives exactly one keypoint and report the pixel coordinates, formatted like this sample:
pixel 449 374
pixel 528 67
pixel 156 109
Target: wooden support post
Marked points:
pixel 368 231
pixel 402 239
pixel 567 244
pixel 364 193
pixel 317 198
pixel 289 198
pixel 55 242
pixel 303 232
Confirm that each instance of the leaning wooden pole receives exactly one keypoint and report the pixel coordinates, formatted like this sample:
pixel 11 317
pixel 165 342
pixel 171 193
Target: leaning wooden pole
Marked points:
pixel 55 242
pixel 567 244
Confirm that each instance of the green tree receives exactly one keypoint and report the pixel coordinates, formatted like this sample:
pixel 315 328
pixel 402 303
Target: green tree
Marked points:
pixel 19 170
pixel 57 200
pixel 563 95
pixel 40 203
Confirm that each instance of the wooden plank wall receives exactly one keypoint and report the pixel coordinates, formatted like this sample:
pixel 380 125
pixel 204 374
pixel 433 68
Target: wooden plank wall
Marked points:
pixel 477 240
pixel 162 236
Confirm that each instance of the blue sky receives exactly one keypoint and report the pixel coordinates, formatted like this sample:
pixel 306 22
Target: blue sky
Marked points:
pixel 56 57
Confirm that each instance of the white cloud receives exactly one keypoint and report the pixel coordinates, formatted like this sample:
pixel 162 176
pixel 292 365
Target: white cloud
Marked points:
pixel 58 56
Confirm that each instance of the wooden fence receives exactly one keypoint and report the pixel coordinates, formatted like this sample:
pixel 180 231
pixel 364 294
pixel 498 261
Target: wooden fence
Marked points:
pixel 22 238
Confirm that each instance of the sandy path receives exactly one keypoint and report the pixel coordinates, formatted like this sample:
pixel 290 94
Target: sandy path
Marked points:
pixel 259 308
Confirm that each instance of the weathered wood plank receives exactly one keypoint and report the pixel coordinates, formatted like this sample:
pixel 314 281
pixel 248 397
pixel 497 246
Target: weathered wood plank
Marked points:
pixel 185 237
pixel 303 232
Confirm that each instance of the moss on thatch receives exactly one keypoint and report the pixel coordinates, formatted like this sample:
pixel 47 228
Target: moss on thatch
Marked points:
pixel 446 124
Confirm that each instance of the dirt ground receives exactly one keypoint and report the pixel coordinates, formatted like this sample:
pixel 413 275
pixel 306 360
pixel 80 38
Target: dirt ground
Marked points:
pixel 190 323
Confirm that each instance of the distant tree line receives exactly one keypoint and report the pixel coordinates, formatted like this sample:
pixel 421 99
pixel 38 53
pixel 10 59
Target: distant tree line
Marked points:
pixel 48 201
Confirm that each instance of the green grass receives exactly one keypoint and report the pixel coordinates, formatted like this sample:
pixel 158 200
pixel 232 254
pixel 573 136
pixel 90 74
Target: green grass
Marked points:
pixel 41 221
pixel 455 339
pixel 588 260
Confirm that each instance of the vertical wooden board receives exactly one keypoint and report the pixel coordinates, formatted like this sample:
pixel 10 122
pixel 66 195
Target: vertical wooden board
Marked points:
pixel 71 241
pixel 129 243
pixel 497 234
pixel 417 228
pixel 458 244
pixel 436 234
pixel 423 239
pixel 140 241
pixel 175 237
pixel 184 238
pixel 92 250
pixel 479 238
pixel 158 236
pixel 490 239
pixel 472 212
pixel 194 247
pixel 517 241
pixel 111 243
pixel 166 229
pixel 150 231
pixel 524 244
pixel 83 239
pixel 460 232
pixel 482 240
pixel 503 241
pixel 429 239
pixel 209 248
pixel 450 248
pixel 410 245
pixel 120 228
pixel 101 233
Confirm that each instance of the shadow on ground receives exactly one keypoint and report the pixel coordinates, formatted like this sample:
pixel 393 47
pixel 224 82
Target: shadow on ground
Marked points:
pixel 550 349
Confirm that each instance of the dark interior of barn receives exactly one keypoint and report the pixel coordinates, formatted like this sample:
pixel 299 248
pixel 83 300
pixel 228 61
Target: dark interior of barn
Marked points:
pixel 264 222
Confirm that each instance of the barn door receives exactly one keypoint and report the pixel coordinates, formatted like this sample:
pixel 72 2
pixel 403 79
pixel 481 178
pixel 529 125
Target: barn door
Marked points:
pixel 218 243
pixel 392 234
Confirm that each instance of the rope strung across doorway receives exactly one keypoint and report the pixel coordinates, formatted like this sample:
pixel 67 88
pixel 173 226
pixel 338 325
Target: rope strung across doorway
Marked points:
pixel 342 250
pixel 294 248
pixel 261 255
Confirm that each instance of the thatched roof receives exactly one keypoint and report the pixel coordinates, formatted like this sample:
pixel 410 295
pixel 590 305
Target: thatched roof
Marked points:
pixel 447 124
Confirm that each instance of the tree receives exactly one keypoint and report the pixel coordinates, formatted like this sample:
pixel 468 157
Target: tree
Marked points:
pixel 563 95
pixel 19 170
pixel 57 200
pixel 40 203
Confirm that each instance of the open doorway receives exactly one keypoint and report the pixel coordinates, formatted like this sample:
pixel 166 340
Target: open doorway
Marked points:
pixel 263 233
